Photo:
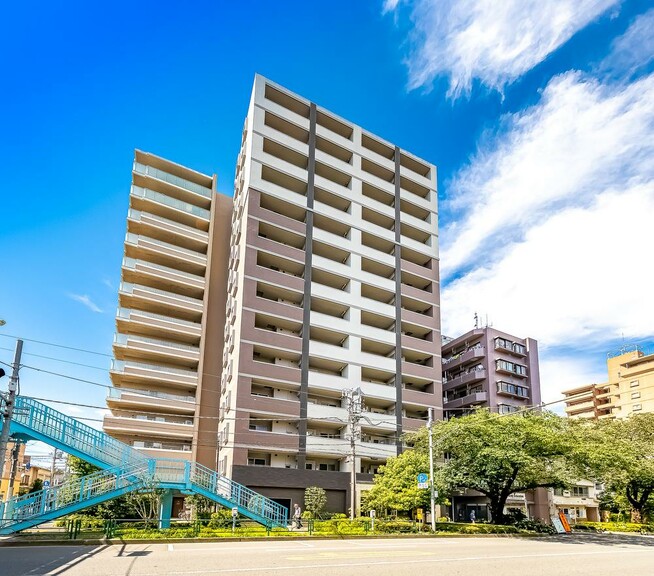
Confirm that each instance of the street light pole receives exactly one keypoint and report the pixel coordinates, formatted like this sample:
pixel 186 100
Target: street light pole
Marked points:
pixel 431 471
pixel 9 404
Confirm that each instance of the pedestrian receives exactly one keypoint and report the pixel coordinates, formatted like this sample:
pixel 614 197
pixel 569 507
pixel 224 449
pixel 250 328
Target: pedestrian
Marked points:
pixel 472 517
pixel 297 515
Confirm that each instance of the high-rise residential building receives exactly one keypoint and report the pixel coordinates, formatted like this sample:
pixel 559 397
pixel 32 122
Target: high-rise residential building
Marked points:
pixel 628 390
pixel 168 344
pixel 333 285
pixel 243 325
pixel 489 368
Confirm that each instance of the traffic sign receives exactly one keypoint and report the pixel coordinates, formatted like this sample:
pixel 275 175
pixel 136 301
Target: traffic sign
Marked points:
pixel 423 480
pixel 46 483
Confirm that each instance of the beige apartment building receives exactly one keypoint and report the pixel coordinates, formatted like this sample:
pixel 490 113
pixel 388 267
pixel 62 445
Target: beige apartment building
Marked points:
pixel 629 389
pixel 167 354
pixel 321 277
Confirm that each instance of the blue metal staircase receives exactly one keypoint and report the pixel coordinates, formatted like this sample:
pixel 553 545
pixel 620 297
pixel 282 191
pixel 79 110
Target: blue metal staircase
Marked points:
pixel 123 470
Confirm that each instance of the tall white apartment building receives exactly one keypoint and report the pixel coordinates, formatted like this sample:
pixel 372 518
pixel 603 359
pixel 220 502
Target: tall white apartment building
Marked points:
pixel 333 284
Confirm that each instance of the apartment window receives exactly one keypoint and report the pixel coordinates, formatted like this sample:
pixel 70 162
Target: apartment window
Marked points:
pixel 511 367
pixel 637 407
pixel 513 389
pixel 635 395
pixel 633 384
pixel 506 409
pixel 519 348
pixel 580 491
pixel 257 462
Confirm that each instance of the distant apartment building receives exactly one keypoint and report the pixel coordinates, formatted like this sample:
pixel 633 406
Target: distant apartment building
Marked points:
pixel 628 390
pixel 242 323
pixel 6 473
pixel 489 368
pixel 29 473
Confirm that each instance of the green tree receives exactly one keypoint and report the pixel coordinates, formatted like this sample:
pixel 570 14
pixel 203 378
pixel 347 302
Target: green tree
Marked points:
pixel 501 455
pixel 79 467
pixel 395 487
pixel 36 485
pixel 315 500
pixel 621 453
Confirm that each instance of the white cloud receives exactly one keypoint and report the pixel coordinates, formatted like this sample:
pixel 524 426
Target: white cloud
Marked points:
pixel 634 49
pixel 493 41
pixel 556 225
pixel 86 300
pixel 581 139
pixel 579 278
pixel 562 373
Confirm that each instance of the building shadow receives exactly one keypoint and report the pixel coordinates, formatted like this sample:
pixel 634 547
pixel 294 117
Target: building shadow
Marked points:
pixel 604 539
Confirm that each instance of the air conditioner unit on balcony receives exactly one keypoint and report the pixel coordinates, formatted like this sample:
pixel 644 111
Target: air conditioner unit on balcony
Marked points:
pixel 566 493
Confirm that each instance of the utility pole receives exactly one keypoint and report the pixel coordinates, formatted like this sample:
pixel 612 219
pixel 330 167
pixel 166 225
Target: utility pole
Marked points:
pixel 9 401
pixel 55 456
pixel 14 469
pixel 354 405
pixel 431 470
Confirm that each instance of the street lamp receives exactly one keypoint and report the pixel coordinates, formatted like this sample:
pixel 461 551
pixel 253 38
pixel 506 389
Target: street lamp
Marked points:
pixel 2 322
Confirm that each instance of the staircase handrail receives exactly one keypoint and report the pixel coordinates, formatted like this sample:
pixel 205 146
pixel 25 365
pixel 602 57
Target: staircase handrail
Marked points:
pixel 73 433
pixel 74 491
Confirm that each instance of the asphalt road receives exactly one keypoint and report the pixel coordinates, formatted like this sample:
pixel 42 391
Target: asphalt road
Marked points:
pixel 588 555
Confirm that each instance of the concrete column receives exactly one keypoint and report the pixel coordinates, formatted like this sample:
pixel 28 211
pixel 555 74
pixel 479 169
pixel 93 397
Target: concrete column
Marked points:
pixel 166 509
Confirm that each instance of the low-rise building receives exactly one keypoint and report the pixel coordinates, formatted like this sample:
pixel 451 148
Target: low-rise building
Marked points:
pixel 580 502
pixel 628 390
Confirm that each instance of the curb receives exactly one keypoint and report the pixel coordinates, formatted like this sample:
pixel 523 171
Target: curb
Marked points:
pixel 120 542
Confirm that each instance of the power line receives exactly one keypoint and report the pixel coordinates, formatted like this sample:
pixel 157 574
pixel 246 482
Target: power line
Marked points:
pixel 58 345
pixel 58 360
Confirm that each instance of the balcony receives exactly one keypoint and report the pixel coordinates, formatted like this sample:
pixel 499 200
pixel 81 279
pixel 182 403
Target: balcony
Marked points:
pixel 177 181
pixel 194 237
pixel 126 372
pixel 336 447
pixel 474 399
pixel 167 207
pixel 461 379
pixel 150 400
pixel 157 427
pixel 164 253
pixel 159 301
pixel 588 406
pixel 464 357
pixel 164 277
pixel 376 448
pixel 157 325
pixel 154 349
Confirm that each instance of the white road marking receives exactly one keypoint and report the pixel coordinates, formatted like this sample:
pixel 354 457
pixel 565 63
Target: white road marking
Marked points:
pixel 171 548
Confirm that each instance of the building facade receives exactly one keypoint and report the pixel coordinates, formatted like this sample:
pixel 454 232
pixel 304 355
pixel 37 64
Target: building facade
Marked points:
pixel 168 343
pixel 489 368
pixel 629 389
pixel 580 502
pixel 333 286
pixel 242 323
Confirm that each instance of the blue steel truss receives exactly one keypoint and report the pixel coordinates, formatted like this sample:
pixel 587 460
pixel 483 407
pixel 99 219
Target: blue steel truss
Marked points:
pixel 123 470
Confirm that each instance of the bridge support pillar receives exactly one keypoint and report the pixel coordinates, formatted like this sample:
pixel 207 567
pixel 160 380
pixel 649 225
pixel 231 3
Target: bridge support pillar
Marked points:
pixel 166 509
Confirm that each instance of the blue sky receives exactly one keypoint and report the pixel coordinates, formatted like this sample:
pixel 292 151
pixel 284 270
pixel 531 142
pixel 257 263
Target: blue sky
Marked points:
pixel 539 115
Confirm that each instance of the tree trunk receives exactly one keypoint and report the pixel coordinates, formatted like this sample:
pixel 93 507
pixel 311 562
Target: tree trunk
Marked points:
pixel 497 510
pixel 636 516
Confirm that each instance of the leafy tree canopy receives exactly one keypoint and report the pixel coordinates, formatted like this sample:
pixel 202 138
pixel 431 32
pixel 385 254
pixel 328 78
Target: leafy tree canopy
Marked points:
pixel 396 486
pixel 501 455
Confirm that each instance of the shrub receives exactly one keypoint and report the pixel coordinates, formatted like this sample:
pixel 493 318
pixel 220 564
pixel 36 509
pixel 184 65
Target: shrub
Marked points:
pixel 535 526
